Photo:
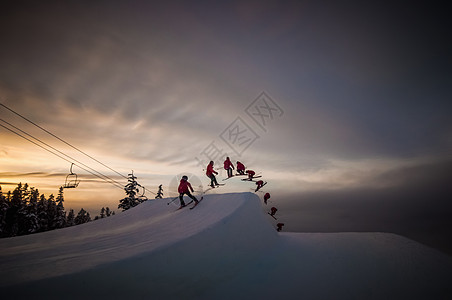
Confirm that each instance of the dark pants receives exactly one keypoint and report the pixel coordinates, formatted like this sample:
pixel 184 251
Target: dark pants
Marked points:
pixel 181 197
pixel 213 180
pixel 229 172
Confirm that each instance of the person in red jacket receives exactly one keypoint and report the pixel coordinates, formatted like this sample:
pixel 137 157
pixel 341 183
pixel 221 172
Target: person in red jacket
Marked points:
pixel 259 184
pixel 266 197
pixel 184 189
pixel 211 174
pixel 251 174
pixel 228 166
pixel 240 168
pixel 273 211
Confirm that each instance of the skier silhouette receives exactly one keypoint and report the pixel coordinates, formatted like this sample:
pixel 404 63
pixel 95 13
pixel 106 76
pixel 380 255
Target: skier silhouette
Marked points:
pixel 228 166
pixel 211 174
pixel 240 168
pixel 184 189
pixel 251 174
pixel 266 197
pixel 279 226
pixel 273 211
pixel 259 184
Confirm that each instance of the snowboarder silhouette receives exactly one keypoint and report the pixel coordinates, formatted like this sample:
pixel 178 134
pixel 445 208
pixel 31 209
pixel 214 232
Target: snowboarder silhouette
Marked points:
pixel 240 168
pixel 184 189
pixel 266 197
pixel 211 174
pixel 228 166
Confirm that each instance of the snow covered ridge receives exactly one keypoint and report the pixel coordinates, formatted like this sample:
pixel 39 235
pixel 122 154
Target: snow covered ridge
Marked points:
pixel 226 248
pixel 144 229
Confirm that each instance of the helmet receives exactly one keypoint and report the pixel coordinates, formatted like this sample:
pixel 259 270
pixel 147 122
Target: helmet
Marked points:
pixel 184 177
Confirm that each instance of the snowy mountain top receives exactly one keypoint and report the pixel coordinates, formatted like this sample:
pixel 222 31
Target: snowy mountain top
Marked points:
pixel 223 249
pixel 143 229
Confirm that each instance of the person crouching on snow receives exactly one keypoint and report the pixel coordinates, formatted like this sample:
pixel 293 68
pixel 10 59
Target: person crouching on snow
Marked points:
pixel 251 174
pixel 184 189
pixel 240 168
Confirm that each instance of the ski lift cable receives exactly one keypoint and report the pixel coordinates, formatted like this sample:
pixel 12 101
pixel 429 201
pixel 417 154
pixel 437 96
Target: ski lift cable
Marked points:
pixel 45 130
pixel 53 148
pixel 56 154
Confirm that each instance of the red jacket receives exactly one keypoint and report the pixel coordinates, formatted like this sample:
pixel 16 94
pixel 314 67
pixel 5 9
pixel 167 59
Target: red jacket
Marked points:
pixel 210 170
pixel 260 182
pixel 250 172
pixel 240 166
pixel 267 196
pixel 228 164
pixel 184 185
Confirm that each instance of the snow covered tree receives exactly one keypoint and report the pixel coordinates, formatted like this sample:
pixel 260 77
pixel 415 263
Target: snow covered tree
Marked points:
pixel 131 189
pixel 4 205
pixel 31 218
pixel 15 214
pixel 82 217
pixel 60 217
pixel 159 193
pixel 42 213
pixel 70 219
pixel 109 212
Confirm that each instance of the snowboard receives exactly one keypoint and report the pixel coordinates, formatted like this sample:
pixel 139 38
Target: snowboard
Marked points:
pixel 196 204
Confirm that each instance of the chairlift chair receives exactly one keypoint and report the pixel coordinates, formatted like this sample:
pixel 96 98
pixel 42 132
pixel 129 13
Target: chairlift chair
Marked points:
pixel 71 180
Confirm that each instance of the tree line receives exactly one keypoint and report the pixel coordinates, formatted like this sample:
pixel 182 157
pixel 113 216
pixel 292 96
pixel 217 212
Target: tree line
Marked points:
pixel 25 211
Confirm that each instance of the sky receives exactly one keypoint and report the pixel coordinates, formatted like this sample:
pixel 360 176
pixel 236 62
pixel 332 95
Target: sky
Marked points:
pixel 319 97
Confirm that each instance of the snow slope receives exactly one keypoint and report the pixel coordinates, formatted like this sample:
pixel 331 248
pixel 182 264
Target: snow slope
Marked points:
pixel 225 248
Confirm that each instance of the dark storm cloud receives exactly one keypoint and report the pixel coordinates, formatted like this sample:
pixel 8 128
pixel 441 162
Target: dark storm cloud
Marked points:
pixel 416 202
pixel 356 80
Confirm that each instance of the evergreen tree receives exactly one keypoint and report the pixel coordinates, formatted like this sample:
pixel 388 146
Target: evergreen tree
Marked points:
pixel 4 206
pixel 42 213
pixel 131 189
pixel 15 214
pixel 108 212
pixel 70 219
pixel 60 218
pixel 31 218
pixel 82 217
pixel 159 193
pixel 51 212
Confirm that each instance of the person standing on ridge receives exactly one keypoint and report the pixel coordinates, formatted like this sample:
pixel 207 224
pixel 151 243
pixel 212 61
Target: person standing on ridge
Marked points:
pixel 211 174
pixel 228 166
pixel 184 189
pixel 240 168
